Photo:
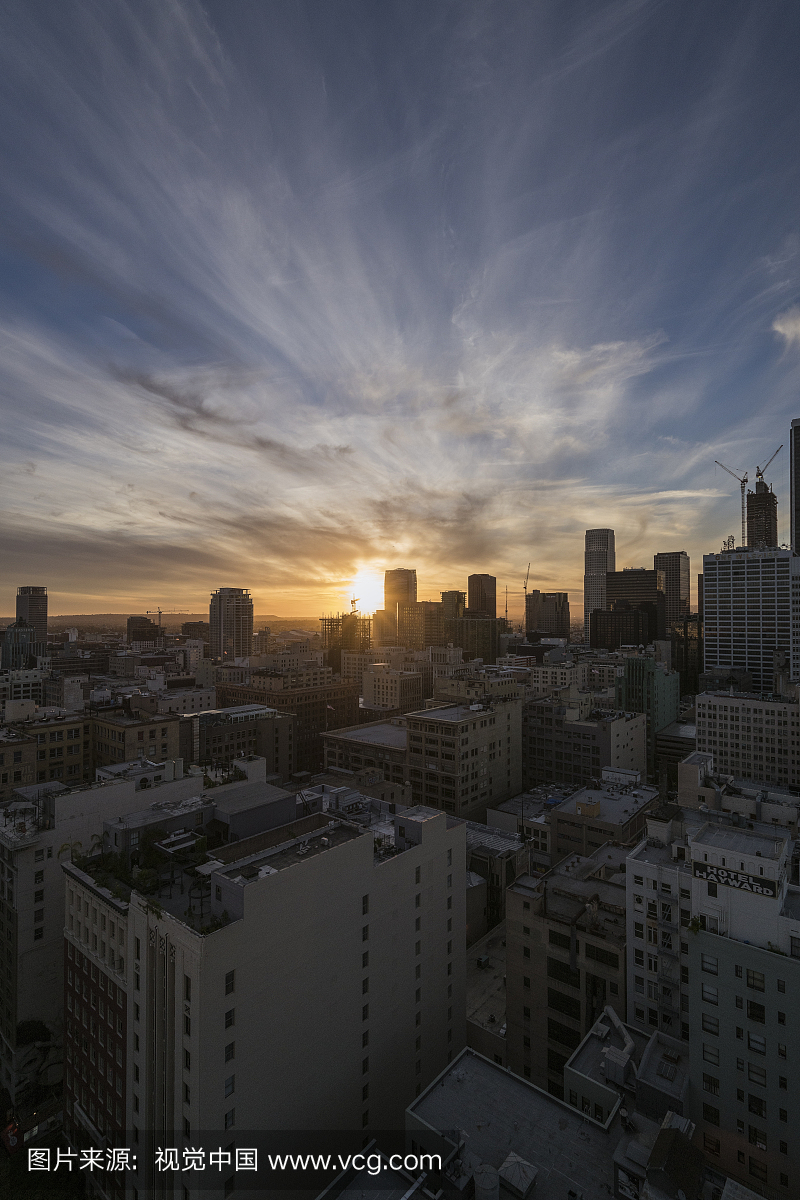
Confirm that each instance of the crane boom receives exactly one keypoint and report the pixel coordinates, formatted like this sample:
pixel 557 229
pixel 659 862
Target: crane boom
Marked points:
pixel 760 470
pixel 743 485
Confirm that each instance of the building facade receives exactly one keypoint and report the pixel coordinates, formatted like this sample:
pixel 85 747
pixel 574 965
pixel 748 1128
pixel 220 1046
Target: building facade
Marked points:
pixel 751 608
pixel 675 565
pixel 599 558
pixel 250 1017
pixel 568 743
pixel 230 618
pixel 565 962
pixel 750 736
pixel 482 595
pixel 32 607
pixel 547 612
pixel 646 687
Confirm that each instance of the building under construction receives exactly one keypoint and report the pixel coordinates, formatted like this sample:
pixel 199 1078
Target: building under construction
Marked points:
pixel 345 631
pixel 762 517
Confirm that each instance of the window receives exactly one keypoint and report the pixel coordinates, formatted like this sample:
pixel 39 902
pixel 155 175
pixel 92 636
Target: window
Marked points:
pixel 187 1061
pixel 230 1085
pixel 757 1074
pixel 711 1084
pixel 757 1137
pixel 710 994
pixel 755 980
pixel 711 1054
pixel 757 1106
pixel 187 1095
pixel 38 934
pixel 230 982
pixel 364 905
pixel 757 1169
pixel 365 933
pixel 709 964
pixel 230 1018
pixel 711 1114
pixel 230 1118
pixel 187 986
pixel 757 1012
pixel 712 889
pixel 757 1044
pixel 230 1051
pixel 710 1024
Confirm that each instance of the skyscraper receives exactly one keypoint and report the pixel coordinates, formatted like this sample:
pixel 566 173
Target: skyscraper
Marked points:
pixel 794 482
pixel 32 607
pixel 748 598
pixel 482 595
pixel 399 587
pixel 675 565
pixel 599 558
pixel 230 617
pixel 640 588
pixel 762 516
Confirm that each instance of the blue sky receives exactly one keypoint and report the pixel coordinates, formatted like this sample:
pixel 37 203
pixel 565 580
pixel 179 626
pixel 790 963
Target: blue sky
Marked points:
pixel 292 292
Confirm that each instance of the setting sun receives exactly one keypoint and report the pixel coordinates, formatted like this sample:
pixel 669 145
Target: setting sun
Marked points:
pixel 367 587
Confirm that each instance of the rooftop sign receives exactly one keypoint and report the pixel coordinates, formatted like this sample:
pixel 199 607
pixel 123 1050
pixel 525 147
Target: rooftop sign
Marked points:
pixel 735 879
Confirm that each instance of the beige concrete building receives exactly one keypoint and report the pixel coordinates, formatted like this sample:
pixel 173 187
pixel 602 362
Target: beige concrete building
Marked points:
pixel 751 737
pixel 463 758
pixel 615 810
pixel 319 984
pixel 385 688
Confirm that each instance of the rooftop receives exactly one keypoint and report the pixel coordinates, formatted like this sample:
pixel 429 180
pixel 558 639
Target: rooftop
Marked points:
pixel 679 729
pixel 237 797
pixel 740 841
pixel 499 1113
pixel 618 802
pixel 590 1057
pixel 290 853
pixel 391 734
pixel 499 841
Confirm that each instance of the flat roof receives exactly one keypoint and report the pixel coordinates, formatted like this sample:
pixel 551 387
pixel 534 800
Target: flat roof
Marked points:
pixel 618 802
pixel 288 854
pixel 382 734
pixel 589 1058
pixel 679 729
pixel 742 841
pixel 238 797
pixel 500 1113
pixel 698 758
pixel 450 713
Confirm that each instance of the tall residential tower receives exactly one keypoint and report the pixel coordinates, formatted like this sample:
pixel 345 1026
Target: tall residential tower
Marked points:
pixel 230 617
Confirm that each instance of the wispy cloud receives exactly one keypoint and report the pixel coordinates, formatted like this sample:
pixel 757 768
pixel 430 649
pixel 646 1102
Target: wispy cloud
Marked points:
pixel 287 295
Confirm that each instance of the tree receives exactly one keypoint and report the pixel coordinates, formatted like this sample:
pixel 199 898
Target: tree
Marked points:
pixel 71 848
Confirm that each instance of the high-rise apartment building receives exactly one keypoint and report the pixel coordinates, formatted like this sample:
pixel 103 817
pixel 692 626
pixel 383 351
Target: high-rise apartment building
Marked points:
pixel 482 595
pixel 599 558
pixel 547 612
pixel 794 483
pixel 32 607
pixel 675 565
pixel 318 984
pixel 748 599
pixel 762 516
pixel 230 618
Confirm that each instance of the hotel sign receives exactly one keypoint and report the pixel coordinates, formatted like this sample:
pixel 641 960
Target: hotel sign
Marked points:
pixel 735 879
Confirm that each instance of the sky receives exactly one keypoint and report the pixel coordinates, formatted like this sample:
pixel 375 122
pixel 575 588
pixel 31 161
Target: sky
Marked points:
pixel 293 292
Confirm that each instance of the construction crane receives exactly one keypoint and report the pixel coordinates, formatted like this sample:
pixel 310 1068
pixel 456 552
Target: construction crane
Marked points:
pixel 151 612
pixel 743 484
pixel 760 470
pixel 525 581
pixel 353 604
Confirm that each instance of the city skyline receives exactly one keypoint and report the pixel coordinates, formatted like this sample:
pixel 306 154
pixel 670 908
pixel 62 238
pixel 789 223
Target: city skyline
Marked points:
pixel 456 286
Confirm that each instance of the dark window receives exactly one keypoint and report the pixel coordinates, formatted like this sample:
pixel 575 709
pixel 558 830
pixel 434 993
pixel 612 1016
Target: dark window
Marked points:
pixel 230 982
